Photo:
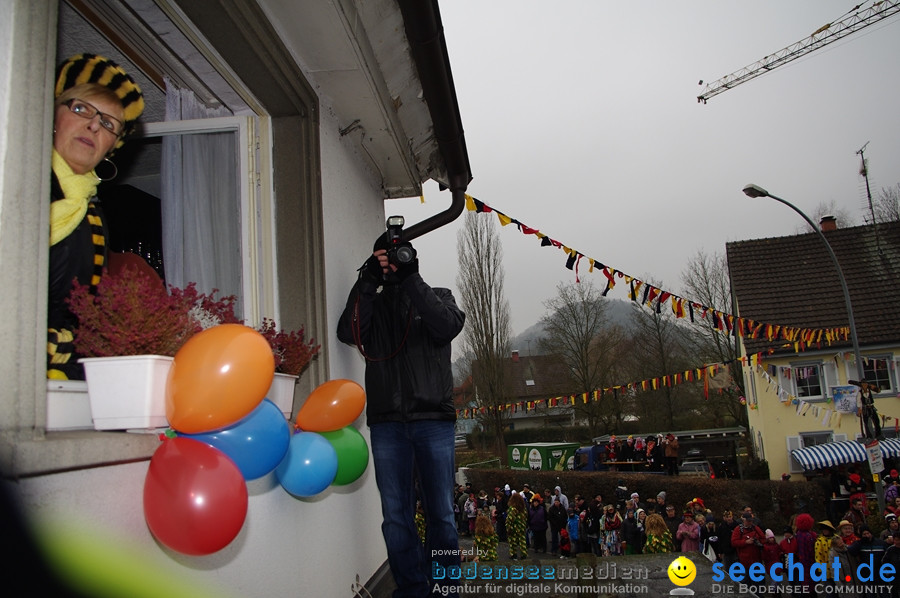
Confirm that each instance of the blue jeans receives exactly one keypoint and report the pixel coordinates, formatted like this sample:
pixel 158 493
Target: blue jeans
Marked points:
pixel 405 454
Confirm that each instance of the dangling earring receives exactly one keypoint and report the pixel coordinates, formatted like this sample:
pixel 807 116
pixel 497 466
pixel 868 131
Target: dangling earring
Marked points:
pixel 115 170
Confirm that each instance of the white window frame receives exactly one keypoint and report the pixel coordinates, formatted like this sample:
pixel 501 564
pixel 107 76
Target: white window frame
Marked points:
pixel 892 372
pixel 257 203
pixel 751 379
pixel 827 378
pixel 28 448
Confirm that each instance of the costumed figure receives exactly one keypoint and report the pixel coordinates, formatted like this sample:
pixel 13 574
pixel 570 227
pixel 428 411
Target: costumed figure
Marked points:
pixel 823 541
pixel 789 544
pixel 611 532
pixel 420 522
pixel 485 539
pixel 640 449
pixel 651 453
pixel 806 544
pixel 516 524
pixel 612 449
pixel 771 551
pixel 96 106
pixel 847 533
pixel 659 538
pixel 565 544
pixel 870 423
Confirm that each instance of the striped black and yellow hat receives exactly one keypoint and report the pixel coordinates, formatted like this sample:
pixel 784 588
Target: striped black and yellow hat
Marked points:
pixel 91 68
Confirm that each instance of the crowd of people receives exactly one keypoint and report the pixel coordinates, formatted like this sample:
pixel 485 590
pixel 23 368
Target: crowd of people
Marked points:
pixel 626 523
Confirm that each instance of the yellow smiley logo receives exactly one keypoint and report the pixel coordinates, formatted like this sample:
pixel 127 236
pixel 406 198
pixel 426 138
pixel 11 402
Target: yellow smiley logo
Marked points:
pixel 682 571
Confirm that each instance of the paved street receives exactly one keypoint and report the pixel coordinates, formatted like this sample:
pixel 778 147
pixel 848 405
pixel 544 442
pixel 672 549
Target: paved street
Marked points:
pixel 585 576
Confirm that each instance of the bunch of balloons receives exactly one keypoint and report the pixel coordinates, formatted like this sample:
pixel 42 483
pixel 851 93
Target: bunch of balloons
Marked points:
pixel 226 433
pixel 326 449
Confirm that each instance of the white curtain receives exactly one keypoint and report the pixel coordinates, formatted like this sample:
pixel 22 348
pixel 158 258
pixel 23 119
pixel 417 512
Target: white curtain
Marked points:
pixel 200 201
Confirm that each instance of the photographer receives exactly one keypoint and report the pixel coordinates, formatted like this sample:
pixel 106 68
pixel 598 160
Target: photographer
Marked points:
pixel 747 540
pixel 403 328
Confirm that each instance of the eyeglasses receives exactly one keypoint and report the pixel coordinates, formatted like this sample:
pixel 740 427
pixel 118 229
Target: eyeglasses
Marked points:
pixel 89 111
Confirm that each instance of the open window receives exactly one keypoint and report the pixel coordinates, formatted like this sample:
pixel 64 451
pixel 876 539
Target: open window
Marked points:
pixel 280 189
pixel 197 206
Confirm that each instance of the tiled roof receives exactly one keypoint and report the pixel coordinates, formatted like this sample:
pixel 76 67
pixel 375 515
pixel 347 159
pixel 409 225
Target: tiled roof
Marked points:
pixel 548 375
pixel 792 281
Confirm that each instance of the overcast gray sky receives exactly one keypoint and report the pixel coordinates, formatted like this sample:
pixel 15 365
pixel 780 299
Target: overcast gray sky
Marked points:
pixel 581 120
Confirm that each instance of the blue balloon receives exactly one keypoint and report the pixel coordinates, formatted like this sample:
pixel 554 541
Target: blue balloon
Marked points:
pixel 309 466
pixel 257 443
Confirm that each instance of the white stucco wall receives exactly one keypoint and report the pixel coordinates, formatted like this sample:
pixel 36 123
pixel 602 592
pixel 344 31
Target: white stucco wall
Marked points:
pixel 773 420
pixel 287 546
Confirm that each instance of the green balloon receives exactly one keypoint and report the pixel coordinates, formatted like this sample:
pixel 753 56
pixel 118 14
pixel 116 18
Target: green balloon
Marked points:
pixel 352 453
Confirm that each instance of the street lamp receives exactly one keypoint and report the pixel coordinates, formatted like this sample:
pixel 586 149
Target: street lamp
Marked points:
pixel 757 191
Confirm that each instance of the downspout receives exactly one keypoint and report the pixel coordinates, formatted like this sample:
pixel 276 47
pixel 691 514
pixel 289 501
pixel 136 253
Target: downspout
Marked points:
pixel 425 33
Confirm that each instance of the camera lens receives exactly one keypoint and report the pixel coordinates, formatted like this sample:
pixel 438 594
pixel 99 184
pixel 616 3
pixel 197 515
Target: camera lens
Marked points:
pixel 405 254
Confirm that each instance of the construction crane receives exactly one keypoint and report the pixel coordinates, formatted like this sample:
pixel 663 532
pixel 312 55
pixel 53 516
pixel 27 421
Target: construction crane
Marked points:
pixel 853 21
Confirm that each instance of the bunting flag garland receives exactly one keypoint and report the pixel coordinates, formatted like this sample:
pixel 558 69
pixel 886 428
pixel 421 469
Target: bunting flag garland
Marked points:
pixel 652 297
pixel 708 374
pixel 694 375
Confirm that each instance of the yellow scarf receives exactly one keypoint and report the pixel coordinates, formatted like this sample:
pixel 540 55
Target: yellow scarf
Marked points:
pixel 67 213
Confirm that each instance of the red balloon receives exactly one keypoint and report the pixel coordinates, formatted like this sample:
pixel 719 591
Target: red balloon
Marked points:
pixel 195 498
pixel 332 406
pixel 218 377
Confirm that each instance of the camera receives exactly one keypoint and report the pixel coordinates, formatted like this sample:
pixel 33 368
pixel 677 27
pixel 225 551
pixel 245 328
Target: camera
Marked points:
pixel 400 252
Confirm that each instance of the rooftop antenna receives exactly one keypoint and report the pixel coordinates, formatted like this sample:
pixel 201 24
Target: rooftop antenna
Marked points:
pixel 864 172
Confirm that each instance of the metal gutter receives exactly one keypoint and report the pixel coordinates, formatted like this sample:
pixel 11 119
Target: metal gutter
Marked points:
pixel 425 33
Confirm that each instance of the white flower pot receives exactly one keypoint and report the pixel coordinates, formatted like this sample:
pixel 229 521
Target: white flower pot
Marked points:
pixel 282 392
pixel 127 392
pixel 68 406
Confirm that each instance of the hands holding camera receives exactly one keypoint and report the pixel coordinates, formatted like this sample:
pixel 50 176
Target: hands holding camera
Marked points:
pixel 393 259
pixel 379 266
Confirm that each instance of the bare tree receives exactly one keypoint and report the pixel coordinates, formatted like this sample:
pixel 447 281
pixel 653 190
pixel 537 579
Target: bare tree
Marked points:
pixel 843 216
pixel 706 281
pixel 887 204
pixel 486 334
pixel 577 330
pixel 661 348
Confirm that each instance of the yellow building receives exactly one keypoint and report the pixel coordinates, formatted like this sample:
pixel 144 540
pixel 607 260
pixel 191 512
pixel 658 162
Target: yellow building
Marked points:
pixel 798 393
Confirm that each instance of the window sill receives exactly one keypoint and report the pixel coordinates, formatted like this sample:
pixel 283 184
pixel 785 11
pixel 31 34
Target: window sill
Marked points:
pixel 69 441
pixel 814 399
pixel 58 452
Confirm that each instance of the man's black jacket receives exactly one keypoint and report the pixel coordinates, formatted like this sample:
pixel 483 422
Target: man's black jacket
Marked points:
pixel 404 331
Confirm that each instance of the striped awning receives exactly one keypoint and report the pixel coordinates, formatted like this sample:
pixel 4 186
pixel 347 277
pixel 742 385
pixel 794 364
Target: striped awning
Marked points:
pixel 830 455
pixel 890 447
pixel 833 454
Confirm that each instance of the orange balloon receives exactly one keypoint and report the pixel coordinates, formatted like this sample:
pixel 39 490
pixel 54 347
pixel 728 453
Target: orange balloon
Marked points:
pixel 331 406
pixel 218 377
